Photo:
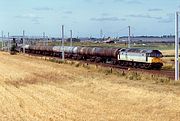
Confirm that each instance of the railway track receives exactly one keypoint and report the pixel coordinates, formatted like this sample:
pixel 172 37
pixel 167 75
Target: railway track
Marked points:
pixel 162 73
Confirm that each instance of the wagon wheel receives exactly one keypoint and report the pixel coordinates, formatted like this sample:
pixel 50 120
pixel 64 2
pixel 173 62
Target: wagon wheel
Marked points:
pixel 97 60
pixel 126 63
pixel 131 64
pixel 115 62
pixel 92 60
pixel 135 65
pixel 121 63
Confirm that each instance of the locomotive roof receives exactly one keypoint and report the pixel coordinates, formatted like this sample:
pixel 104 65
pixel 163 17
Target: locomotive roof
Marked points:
pixel 138 50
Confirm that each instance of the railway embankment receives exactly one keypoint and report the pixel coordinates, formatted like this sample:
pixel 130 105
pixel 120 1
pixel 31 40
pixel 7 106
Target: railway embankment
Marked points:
pixel 34 89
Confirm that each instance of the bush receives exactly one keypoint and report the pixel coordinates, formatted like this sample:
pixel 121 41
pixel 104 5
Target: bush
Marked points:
pixel 77 64
pixel 133 76
pixel 168 67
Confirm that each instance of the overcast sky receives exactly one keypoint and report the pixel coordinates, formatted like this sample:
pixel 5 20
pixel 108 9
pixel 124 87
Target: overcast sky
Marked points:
pixel 87 17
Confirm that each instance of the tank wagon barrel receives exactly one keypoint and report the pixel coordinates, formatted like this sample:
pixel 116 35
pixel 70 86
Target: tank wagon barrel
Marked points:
pixel 89 51
pixel 97 51
pixel 106 52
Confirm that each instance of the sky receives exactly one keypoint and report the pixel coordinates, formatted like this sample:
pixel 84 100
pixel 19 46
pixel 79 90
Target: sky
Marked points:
pixel 87 17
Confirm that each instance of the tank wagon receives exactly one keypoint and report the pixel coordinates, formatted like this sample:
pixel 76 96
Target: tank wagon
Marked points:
pixel 133 57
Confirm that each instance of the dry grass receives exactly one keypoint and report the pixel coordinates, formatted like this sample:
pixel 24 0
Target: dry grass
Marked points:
pixel 168 52
pixel 34 89
pixel 168 61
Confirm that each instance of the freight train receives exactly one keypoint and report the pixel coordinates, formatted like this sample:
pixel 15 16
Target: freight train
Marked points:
pixel 130 57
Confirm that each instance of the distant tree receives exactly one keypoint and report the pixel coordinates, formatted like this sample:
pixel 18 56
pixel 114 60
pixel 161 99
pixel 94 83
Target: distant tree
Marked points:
pixel 73 39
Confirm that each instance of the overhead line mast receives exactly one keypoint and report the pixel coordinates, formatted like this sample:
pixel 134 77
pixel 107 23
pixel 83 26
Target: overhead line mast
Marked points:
pixel 177 46
pixel 2 38
pixel 44 40
pixel 23 41
pixel 71 38
pixel 8 43
pixel 129 37
pixel 62 42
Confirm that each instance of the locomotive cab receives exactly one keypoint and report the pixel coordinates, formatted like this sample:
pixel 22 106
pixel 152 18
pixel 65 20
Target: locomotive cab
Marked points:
pixel 155 53
pixel 155 59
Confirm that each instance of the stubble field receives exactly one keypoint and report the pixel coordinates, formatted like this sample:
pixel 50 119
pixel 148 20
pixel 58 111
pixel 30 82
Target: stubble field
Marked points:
pixel 35 89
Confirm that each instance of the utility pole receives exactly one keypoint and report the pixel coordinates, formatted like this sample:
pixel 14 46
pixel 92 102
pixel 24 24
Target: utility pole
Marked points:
pixel 62 42
pixel 8 43
pixel 71 38
pixel 2 38
pixel 23 41
pixel 5 42
pixel 47 40
pixel 129 37
pixel 101 34
pixel 176 47
pixel 44 41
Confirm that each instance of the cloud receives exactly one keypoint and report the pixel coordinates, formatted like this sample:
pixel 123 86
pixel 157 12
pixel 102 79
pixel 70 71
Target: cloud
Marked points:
pixel 88 0
pixel 165 21
pixel 134 2
pixel 108 19
pixel 43 9
pixel 34 18
pixel 129 1
pixel 168 19
pixel 119 0
pixel 67 12
pixel 144 16
pixel 124 1
pixel 155 9
pixel 27 16
pixel 35 21
pixel 105 14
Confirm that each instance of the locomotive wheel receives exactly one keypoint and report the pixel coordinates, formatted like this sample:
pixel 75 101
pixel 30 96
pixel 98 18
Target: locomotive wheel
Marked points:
pixel 140 65
pixel 147 65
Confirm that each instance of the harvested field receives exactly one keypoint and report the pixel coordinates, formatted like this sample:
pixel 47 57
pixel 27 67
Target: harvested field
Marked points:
pixel 168 52
pixel 35 89
pixel 169 59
